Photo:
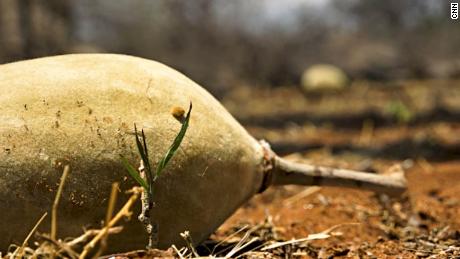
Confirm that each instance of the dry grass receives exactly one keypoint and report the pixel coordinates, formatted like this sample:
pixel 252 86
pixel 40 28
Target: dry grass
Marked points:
pixel 49 246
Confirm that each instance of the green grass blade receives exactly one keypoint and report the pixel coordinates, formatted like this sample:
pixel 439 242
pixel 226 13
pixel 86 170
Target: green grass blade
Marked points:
pixel 147 162
pixel 140 148
pixel 175 145
pixel 144 155
pixel 134 174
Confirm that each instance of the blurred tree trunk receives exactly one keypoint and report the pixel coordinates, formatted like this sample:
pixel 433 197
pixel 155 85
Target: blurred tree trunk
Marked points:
pixel 34 28
pixel 10 40
pixel 25 24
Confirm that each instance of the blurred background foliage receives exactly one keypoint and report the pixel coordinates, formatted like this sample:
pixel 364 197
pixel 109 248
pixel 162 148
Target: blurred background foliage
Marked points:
pixel 221 43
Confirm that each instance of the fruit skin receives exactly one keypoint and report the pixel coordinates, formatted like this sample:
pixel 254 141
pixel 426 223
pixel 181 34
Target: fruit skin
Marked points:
pixel 323 78
pixel 80 110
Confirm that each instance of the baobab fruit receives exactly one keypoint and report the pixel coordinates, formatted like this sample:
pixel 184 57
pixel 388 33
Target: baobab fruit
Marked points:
pixel 323 78
pixel 79 110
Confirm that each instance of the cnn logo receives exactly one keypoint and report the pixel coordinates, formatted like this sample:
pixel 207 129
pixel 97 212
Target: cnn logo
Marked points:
pixel 454 11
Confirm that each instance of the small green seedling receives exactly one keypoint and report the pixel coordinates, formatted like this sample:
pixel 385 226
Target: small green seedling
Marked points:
pixel 143 151
pixel 147 183
pixel 400 112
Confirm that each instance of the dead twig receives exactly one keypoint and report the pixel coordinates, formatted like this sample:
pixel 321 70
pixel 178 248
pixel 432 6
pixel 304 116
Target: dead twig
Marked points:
pixel 56 203
pixel 321 235
pixel 108 217
pixel 91 233
pixel 47 248
pixel 188 240
pixel 305 193
pixel 287 172
pixel 229 237
pixel 19 251
pixel 178 252
pixel 240 246
pixel 124 212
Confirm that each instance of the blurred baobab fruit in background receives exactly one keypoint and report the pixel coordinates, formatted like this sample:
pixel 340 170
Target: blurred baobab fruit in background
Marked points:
pixel 324 78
